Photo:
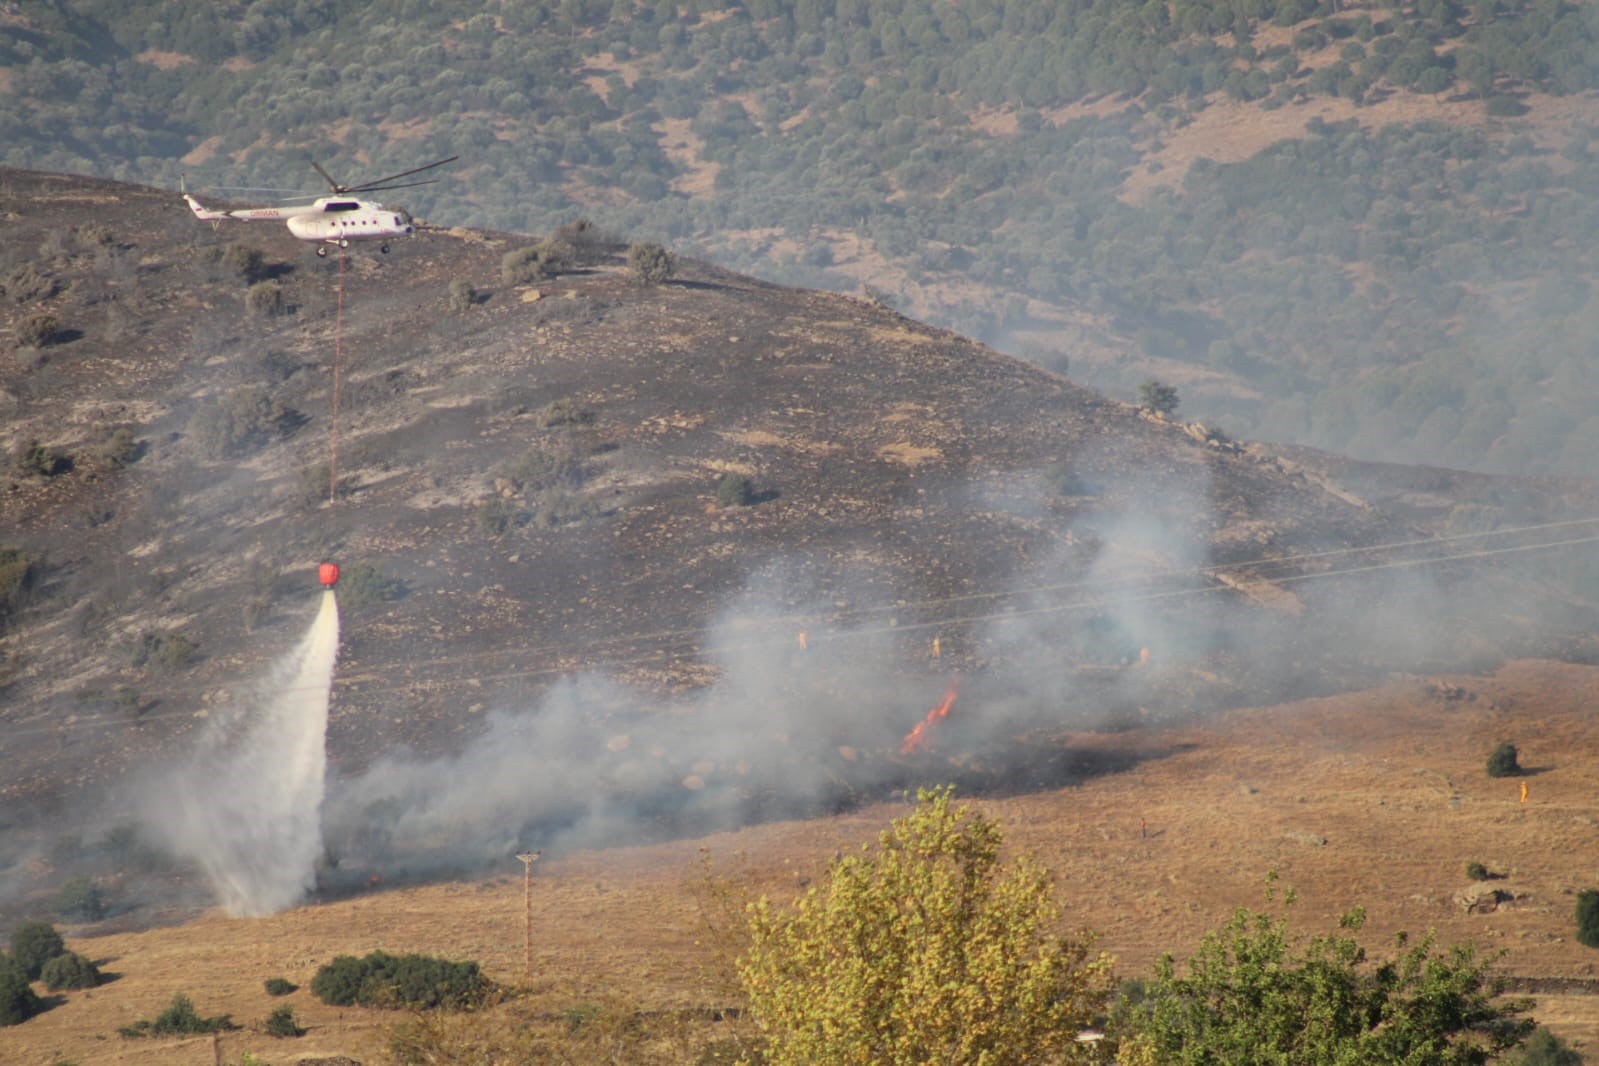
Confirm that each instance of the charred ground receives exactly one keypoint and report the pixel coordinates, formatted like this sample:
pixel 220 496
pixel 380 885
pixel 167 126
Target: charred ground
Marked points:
pixel 528 490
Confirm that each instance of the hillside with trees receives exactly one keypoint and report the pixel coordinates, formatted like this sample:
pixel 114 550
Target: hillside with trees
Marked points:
pixel 1365 227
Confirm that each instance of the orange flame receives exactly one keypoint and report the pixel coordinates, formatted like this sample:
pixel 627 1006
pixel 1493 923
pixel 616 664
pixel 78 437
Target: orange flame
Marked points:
pixel 916 739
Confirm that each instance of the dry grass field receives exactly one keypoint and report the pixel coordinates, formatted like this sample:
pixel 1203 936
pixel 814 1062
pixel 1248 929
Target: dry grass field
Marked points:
pixel 1377 798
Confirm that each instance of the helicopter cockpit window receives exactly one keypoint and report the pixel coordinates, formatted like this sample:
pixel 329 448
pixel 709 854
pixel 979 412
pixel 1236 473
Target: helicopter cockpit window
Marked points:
pixel 397 221
pixel 341 205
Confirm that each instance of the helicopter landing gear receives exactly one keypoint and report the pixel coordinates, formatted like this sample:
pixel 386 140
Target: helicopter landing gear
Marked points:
pixel 344 243
pixel 322 251
pixel 384 248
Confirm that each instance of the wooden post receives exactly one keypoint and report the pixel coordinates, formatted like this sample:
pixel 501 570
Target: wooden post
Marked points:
pixel 528 859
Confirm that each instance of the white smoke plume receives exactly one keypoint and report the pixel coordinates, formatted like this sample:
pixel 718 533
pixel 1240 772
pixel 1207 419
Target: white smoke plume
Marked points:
pixel 246 804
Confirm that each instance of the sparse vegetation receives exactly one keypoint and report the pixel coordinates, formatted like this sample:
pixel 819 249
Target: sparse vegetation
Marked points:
pixel 38 329
pixel 79 899
pixel 266 298
pixel 1588 917
pixel 69 970
pixel 239 422
pixel 462 295
pixel 495 517
pixel 1502 762
pixel 281 1023
pixel 533 263
pixel 557 505
pixel 163 652
pixel 245 260
pixel 384 980
pixel 1476 871
pixel 735 490
pixel 541 468
pixel 33 459
pixel 121 447
pixel 19 575
pixel 649 263
pixel 178 1019
pixel 929 949
pixel 1157 396
pixel 565 412
pixel 280 986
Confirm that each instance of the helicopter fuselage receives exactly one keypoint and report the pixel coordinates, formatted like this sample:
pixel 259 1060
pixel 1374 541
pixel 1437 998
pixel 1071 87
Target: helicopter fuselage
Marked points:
pixel 339 220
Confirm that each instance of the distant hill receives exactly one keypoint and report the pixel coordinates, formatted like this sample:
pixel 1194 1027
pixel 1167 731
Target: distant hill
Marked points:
pixel 626 559
pixel 1356 226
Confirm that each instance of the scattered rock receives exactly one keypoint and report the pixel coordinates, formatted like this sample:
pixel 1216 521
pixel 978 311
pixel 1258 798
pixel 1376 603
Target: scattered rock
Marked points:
pixel 1312 840
pixel 1479 898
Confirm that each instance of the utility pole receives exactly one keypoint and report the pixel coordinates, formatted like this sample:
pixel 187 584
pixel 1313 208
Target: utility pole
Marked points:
pixel 528 859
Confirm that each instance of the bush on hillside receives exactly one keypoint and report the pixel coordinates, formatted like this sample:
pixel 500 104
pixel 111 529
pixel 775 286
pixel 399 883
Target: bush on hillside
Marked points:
pixel 19 573
pixel 266 298
pixel 1476 871
pixel 163 653
pixel 1588 917
pixel 33 944
pixel 365 584
pixel 462 295
pixel 384 980
pixel 179 1019
pixel 38 329
pixel 35 460
pixel 18 1002
pixel 280 986
pixel 1157 396
pixel 240 422
pixel 79 899
pixel 1544 1048
pixel 649 263
pixel 69 970
pixel 1502 762
pixel 735 490
pixel 281 1023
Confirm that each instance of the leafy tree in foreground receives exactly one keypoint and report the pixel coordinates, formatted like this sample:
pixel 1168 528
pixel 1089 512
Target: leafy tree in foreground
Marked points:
pixel 1588 917
pixel 1247 996
pixel 926 950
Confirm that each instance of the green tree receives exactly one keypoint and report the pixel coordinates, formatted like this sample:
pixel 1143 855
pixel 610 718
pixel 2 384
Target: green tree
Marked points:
pixel 1588 917
pixel 649 263
pixel 1247 996
pixel 33 944
pixel 80 898
pixel 1157 396
pixel 928 950
pixel 18 1002
pixel 69 970
pixel 1502 761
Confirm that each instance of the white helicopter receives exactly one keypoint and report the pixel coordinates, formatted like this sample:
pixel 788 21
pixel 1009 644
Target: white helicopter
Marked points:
pixel 337 219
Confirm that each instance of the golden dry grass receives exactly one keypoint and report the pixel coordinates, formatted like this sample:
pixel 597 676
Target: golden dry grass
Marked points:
pixel 1393 781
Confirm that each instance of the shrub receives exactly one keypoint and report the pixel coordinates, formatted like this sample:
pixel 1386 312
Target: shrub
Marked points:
pixel 1157 396
pixel 266 298
pixel 280 986
pixel 558 505
pixel 27 285
pixel 543 468
pixel 18 1002
pixel 163 653
pixel 281 1023
pixel 19 573
pixel 495 517
pixel 179 1018
pixel 244 260
pixel 69 970
pixel 1588 917
pixel 35 460
pixel 1544 1048
pixel 37 329
pixel 384 980
pixel 1506 107
pixel 33 944
pixel 80 898
pixel 238 423
pixel 365 584
pixel 1502 763
pixel 1476 871
pixel 462 295
pixel 735 490
pixel 649 263
pixel 120 447
pixel 564 412
pixel 524 265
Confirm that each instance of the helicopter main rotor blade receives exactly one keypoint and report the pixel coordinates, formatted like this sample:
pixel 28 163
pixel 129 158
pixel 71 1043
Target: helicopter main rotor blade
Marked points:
pixel 369 186
pixel 384 188
pixel 337 188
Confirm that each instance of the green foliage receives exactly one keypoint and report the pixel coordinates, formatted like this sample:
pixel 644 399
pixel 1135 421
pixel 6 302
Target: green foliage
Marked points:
pixel 33 944
pixel 281 1023
pixel 178 1019
pixel 564 412
pixel 18 1002
pixel 1544 1048
pixel 38 329
pixel 238 423
pixel 280 986
pixel 1248 996
pixel 1588 917
pixel 495 517
pixel 735 490
pixel 163 652
pixel 266 298
pixel 27 284
pixel 69 970
pixel 384 980
pixel 929 949
pixel 245 260
pixel 121 447
pixel 649 263
pixel 546 467
pixel 79 899
pixel 535 262
pixel 462 295
pixel 19 575
pixel 35 460
pixel 365 585
pixel 1157 396
pixel 1477 871
pixel 1502 761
